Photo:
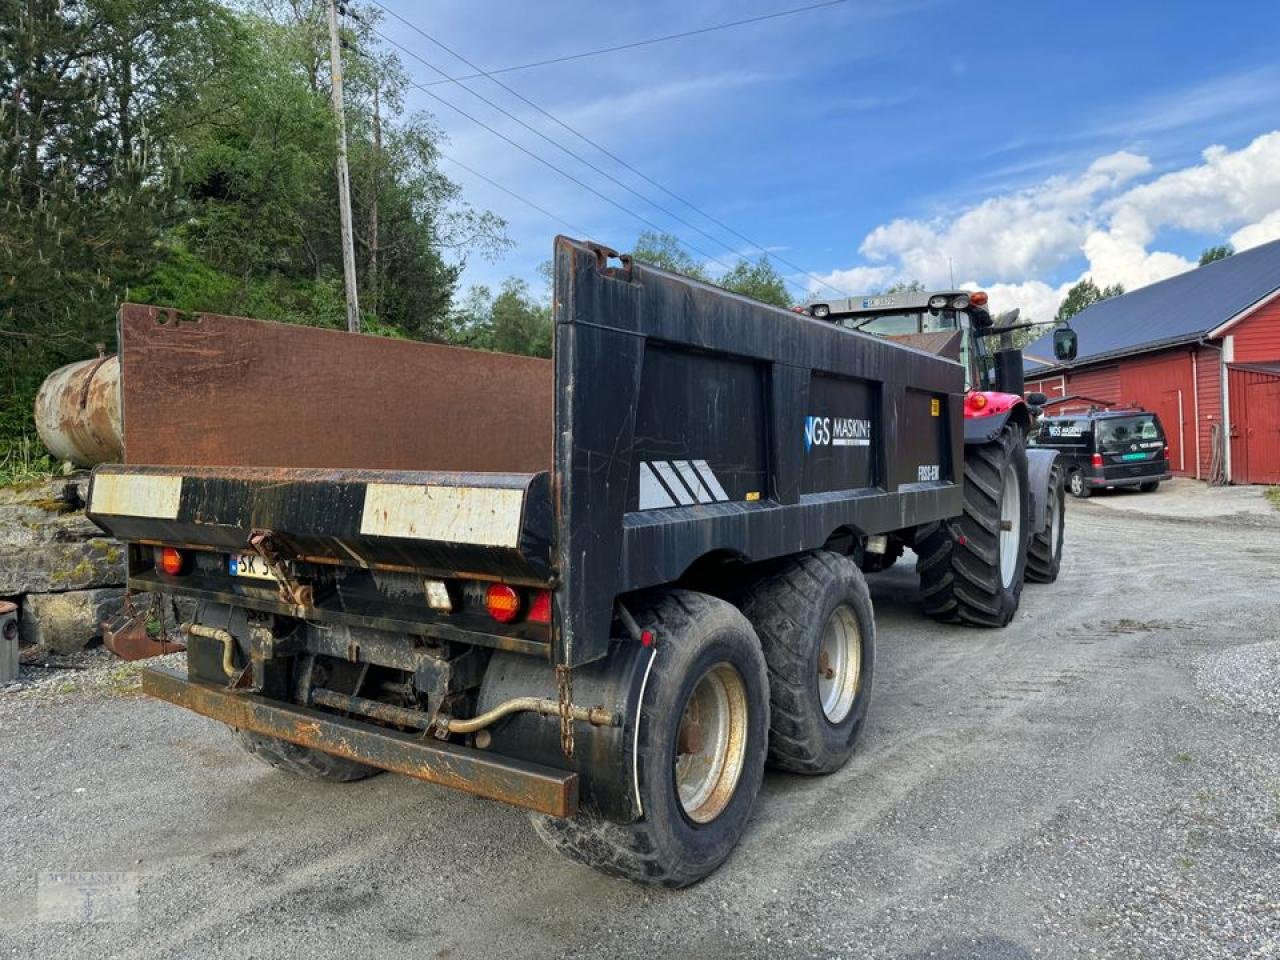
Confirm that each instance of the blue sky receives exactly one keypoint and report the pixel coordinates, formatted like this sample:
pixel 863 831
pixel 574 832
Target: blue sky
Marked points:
pixel 1019 144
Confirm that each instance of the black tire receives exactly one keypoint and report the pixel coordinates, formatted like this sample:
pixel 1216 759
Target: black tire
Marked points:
pixel 1044 554
pixel 302 761
pixel 695 633
pixel 876 562
pixel 959 560
pixel 1079 489
pixel 790 610
pixel 1150 487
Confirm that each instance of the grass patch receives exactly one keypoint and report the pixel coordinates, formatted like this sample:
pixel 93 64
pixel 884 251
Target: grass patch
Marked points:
pixel 1273 497
pixel 24 462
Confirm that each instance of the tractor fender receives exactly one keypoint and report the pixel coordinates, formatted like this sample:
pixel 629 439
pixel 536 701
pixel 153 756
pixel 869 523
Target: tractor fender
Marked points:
pixel 1039 466
pixel 984 429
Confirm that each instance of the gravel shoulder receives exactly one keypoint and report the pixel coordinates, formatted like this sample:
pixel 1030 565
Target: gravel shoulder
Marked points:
pixel 1101 779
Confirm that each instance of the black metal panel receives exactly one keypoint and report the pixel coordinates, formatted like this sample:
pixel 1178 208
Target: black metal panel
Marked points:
pixel 597 383
pixel 659 377
pixel 661 544
pixel 697 406
pixel 923 440
pixel 839 434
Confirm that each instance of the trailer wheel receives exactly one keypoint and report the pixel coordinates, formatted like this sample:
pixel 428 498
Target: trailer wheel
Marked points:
pixel 302 761
pixel 1044 555
pixel 818 631
pixel 876 562
pixel 703 729
pixel 1079 489
pixel 971 568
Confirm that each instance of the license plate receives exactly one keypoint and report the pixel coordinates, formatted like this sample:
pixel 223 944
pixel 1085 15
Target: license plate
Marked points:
pixel 1134 456
pixel 248 565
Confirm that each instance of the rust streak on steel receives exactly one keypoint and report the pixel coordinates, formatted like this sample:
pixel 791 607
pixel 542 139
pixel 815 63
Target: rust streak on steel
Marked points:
pixel 483 774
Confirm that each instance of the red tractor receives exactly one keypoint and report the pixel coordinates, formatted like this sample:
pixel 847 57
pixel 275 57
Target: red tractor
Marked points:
pixel 972 566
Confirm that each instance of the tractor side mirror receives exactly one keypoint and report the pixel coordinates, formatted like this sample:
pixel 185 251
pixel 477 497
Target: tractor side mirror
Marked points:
pixel 1037 399
pixel 1066 342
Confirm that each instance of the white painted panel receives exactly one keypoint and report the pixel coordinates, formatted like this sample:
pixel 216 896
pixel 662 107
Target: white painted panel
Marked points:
pixel 136 495
pixel 482 515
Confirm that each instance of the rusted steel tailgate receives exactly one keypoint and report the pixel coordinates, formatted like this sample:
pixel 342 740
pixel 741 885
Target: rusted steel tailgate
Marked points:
pixel 516 782
pixel 209 390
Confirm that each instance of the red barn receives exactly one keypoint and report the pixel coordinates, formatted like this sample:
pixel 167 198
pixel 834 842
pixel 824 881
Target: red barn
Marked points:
pixel 1201 349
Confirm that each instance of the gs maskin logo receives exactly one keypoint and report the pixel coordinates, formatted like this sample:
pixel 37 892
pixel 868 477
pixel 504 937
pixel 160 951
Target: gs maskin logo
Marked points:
pixel 836 432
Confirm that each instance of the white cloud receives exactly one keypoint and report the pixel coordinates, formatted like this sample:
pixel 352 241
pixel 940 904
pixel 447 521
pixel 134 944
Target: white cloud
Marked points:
pixel 1255 234
pixel 854 281
pixel 1010 242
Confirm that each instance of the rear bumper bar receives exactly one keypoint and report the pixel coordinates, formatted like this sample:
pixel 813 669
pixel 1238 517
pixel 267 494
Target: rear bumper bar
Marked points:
pixel 1098 482
pixel 521 784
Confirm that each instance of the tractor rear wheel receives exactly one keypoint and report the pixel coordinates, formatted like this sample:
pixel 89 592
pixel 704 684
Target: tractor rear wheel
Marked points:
pixel 971 567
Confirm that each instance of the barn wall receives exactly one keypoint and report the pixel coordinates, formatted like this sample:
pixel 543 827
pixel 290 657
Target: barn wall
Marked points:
pixel 1162 382
pixel 1257 336
pixel 1208 367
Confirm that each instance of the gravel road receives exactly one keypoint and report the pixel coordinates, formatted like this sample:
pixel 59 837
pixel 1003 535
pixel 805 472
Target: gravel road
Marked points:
pixel 1101 779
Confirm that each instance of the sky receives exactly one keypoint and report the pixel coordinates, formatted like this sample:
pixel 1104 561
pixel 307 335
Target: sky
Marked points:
pixel 1013 146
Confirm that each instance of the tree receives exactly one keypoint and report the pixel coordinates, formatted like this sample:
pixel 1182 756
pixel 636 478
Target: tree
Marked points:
pixel 759 280
pixel 902 286
pixel 1085 294
pixel 1219 252
pixel 663 250
pixel 182 152
pixel 513 322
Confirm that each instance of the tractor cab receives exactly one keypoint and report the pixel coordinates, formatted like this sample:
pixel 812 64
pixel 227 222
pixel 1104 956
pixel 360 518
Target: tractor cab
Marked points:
pixel 951 323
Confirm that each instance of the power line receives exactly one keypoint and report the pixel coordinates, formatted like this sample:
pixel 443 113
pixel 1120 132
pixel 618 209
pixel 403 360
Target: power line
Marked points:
pixel 640 43
pixel 598 146
pixel 511 193
pixel 564 173
pixel 559 146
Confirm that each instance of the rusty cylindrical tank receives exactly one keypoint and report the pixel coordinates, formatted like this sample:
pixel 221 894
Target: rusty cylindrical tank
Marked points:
pixel 78 412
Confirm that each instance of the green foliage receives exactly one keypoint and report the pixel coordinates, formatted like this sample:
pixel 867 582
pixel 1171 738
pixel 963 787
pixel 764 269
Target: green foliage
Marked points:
pixel 758 279
pixel 182 152
pixel 663 250
pixel 1085 294
pixel 512 322
pixel 1219 252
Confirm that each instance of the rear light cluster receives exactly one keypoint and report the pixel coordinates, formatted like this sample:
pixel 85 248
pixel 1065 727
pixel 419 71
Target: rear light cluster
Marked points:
pixel 507 604
pixel 171 562
pixel 1096 460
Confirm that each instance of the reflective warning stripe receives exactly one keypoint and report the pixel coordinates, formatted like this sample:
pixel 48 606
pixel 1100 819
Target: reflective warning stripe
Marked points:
pixel 670 483
pixel 489 516
pixel 136 495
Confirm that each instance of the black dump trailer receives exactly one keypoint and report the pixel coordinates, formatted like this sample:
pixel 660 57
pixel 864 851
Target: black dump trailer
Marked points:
pixel 606 588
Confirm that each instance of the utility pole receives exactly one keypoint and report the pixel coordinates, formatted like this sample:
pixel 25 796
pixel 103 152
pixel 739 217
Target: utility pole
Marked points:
pixel 344 177
pixel 375 283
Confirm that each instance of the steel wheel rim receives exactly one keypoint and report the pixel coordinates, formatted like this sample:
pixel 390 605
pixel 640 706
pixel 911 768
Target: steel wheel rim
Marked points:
pixel 1010 525
pixel 839 664
pixel 1077 484
pixel 711 743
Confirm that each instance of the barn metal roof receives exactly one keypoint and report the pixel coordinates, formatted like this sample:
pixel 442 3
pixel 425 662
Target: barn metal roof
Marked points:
pixel 1185 307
